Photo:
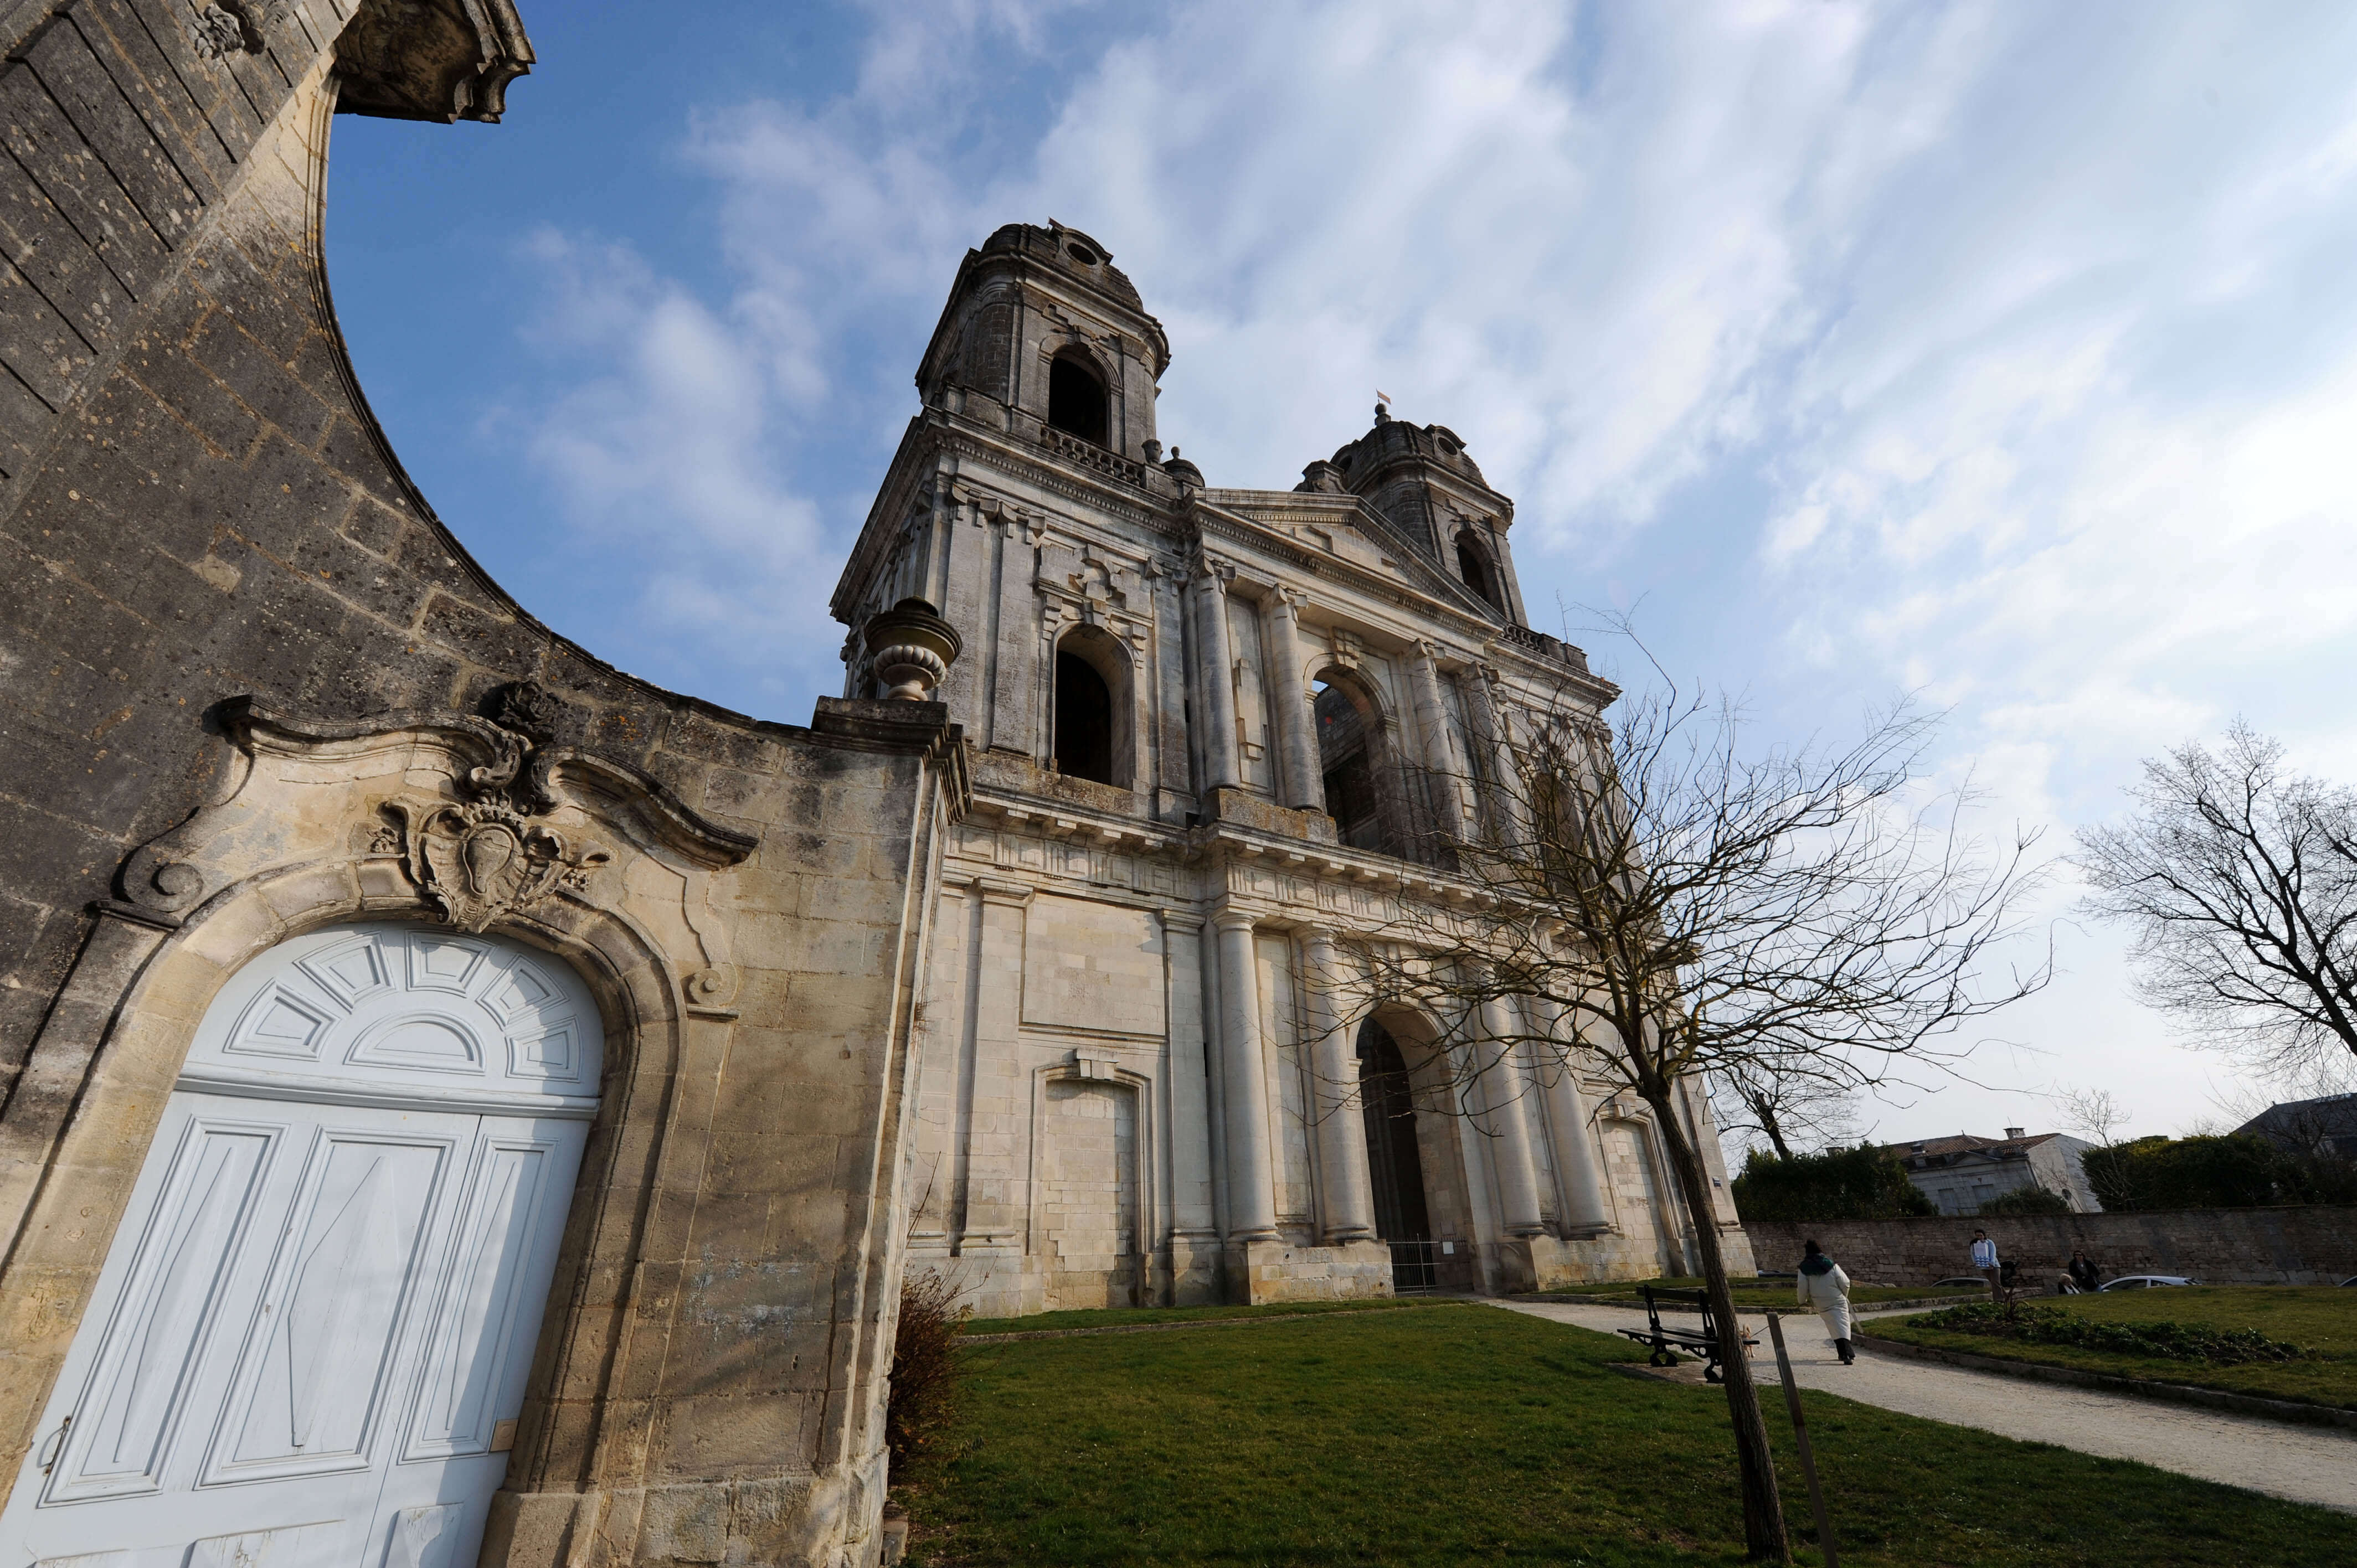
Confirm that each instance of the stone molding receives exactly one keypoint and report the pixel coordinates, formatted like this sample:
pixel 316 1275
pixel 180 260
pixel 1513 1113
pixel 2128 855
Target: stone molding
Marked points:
pixel 499 780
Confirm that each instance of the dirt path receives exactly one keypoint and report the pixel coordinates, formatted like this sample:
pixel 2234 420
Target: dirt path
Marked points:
pixel 2304 1463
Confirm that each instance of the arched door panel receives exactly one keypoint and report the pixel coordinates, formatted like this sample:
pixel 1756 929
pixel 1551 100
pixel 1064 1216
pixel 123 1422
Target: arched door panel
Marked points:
pixel 309 1342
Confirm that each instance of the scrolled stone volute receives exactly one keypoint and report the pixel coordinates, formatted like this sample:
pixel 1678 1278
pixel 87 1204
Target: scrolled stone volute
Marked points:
pixel 910 648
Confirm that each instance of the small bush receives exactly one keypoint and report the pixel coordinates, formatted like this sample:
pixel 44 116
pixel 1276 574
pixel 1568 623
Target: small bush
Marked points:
pixel 1840 1184
pixel 2171 1341
pixel 926 1374
pixel 2235 1171
pixel 2027 1200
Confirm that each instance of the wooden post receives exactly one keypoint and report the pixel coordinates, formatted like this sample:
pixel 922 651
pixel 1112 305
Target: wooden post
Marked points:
pixel 1801 1436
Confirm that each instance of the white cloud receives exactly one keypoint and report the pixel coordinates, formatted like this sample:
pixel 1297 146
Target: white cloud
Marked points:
pixel 1998 352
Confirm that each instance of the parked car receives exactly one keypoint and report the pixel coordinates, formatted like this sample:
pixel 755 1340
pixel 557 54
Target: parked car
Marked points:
pixel 1974 1280
pixel 2352 1280
pixel 2144 1282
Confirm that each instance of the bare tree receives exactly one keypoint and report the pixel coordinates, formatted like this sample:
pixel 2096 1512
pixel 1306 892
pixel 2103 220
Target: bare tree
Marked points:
pixel 2094 1114
pixel 1786 1111
pixel 2239 880
pixel 1654 903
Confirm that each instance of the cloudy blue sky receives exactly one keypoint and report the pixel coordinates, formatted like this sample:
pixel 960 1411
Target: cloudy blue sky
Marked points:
pixel 2004 354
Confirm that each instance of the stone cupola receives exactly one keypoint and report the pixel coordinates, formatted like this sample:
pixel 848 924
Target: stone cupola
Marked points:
pixel 1425 483
pixel 1041 324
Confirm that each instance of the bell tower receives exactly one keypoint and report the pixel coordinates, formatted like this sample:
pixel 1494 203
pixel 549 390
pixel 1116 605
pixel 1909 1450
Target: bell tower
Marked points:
pixel 1044 332
pixel 1214 733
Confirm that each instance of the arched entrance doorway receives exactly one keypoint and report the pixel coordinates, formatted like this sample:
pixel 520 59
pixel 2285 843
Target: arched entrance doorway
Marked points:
pixel 309 1340
pixel 1395 1161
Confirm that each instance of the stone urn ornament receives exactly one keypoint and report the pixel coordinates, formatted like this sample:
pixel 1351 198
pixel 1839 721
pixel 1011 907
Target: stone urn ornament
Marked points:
pixel 910 648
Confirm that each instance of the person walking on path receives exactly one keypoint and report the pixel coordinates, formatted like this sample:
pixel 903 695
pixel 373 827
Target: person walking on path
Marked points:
pixel 2084 1273
pixel 1823 1289
pixel 1985 1260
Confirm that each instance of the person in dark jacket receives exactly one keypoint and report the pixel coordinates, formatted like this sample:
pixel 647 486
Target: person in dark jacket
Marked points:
pixel 1823 1289
pixel 2084 1273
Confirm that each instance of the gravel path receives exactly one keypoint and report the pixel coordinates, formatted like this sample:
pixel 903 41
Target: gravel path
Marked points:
pixel 2305 1464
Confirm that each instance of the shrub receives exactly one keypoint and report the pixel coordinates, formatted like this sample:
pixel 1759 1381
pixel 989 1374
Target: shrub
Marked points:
pixel 2171 1341
pixel 2316 1178
pixel 926 1374
pixel 2032 1200
pixel 1840 1184
pixel 2234 1171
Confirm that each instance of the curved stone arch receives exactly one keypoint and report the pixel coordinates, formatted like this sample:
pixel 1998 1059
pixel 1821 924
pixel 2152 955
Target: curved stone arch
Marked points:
pixel 1387 822
pixel 1446 1162
pixel 1477 565
pixel 1117 664
pixel 1073 348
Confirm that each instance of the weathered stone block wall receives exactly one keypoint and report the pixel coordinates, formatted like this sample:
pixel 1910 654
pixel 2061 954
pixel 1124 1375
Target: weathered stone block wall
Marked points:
pixel 196 506
pixel 2310 1244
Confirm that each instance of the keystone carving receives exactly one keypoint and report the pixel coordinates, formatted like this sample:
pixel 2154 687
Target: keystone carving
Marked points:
pixel 484 850
pixel 481 862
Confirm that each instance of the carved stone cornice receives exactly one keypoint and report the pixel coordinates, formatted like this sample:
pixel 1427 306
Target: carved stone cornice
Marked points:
pixel 484 847
pixel 423 59
pixel 514 769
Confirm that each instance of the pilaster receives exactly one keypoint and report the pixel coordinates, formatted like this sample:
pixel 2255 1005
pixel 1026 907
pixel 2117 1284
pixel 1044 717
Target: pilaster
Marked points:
pixel 996 1190
pixel 1346 1189
pixel 1214 676
pixel 1507 1117
pixel 1300 784
pixel 1251 1194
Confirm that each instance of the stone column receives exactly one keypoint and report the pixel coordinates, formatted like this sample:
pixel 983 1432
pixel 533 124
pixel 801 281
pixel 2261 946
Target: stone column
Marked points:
pixel 1215 664
pixel 1304 785
pixel 1450 794
pixel 1252 1189
pixel 1349 1196
pixel 1584 1213
pixel 1505 1117
pixel 1506 817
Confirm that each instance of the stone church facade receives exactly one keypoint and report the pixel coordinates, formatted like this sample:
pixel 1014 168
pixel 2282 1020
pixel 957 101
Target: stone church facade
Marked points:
pixel 1219 733
pixel 460 1104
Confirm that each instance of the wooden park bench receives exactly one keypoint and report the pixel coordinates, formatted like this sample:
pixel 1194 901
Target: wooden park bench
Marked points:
pixel 1667 1343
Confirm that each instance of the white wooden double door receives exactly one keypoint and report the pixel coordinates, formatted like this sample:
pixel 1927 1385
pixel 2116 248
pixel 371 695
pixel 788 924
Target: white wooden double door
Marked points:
pixel 309 1342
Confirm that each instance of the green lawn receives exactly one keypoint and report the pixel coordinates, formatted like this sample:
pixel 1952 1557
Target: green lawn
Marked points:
pixel 1762 1294
pixel 1464 1434
pixel 1118 1317
pixel 2320 1318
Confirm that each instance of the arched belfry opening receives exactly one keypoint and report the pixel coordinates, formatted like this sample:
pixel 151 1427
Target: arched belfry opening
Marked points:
pixel 1077 404
pixel 1362 787
pixel 1092 738
pixel 1473 568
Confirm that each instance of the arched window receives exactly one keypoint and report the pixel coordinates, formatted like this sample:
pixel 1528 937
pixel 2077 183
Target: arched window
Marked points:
pixel 1076 397
pixel 1473 567
pixel 1093 730
pixel 1362 789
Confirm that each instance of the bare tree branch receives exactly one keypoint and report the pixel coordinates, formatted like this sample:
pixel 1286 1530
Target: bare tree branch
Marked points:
pixel 1654 904
pixel 2239 882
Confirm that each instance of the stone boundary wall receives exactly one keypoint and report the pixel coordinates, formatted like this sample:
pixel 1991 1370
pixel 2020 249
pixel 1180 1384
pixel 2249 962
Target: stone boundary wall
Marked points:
pixel 2305 1244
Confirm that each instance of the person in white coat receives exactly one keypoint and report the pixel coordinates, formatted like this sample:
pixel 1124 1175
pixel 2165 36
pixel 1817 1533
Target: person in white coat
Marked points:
pixel 1823 1289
